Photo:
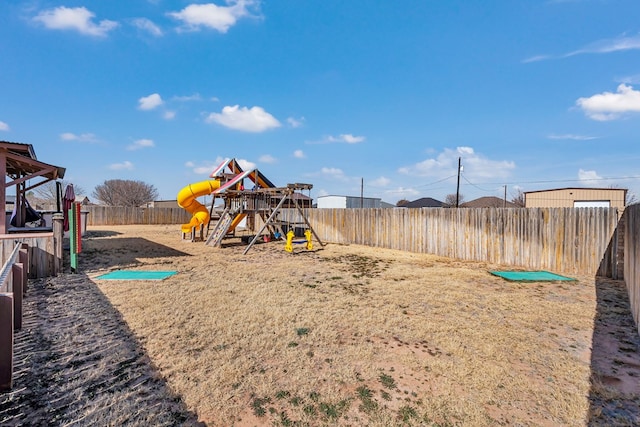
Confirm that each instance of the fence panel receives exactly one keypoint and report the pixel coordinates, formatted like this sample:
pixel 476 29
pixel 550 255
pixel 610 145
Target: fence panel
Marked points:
pixel 631 220
pixel 559 239
pixel 121 215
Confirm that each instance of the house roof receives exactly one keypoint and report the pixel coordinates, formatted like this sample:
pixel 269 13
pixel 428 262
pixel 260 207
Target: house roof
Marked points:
pixel 488 202
pixel 348 197
pixel 425 202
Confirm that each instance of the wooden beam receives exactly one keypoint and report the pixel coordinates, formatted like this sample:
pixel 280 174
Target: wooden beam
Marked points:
pixel 6 341
pixel 3 193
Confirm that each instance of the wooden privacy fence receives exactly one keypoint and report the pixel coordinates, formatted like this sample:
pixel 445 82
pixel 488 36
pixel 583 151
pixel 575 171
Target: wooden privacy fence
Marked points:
pixel 568 240
pixel 13 285
pixel 631 221
pixel 119 215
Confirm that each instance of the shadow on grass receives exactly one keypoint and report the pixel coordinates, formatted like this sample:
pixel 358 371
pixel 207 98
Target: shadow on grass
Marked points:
pixel 91 234
pixel 99 253
pixel 614 398
pixel 77 362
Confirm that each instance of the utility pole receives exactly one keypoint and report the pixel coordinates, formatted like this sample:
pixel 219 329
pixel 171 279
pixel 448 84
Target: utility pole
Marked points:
pixel 361 193
pixel 458 186
pixel 504 205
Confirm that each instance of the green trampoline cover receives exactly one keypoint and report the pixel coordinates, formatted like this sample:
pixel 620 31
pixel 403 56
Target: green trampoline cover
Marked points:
pixel 137 275
pixel 530 276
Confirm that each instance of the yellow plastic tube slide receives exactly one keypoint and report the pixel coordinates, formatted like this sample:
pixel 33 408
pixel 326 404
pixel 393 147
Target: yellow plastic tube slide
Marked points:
pixel 187 200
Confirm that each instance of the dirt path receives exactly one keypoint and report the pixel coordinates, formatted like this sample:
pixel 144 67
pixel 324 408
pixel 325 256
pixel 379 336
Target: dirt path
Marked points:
pixel 78 364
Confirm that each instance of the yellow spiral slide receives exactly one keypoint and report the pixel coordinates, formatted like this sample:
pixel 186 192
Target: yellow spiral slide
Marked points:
pixel 187 200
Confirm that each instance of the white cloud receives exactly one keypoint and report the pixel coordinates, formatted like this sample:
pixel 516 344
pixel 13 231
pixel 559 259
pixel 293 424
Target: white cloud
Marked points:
pixel 536 58
pixel 347 138
pixel 188 98
pixel 619 44
pixel 299 154
pixel 206 167
pixel 402 193
pixel 295 123
pixel 4 126
pixel 572 137
pixel 78 18
pixel 246 164
pixel 476 167
pixel 254 119
pixel 610 106
pixel 197 16
pixel 333 173
pixel 140 144
pixel 169 115
pixel 267 158
pixel 589 178
pixel 201 168
pixel 83 137
pixel 381 182
pixel 126 165
pixel 150 102
pixel 148 26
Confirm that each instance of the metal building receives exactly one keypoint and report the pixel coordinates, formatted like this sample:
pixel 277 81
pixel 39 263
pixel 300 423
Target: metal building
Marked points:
pixel 577 198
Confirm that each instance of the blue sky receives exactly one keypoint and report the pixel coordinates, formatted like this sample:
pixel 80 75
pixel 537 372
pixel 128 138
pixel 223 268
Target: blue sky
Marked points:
pixel 389 94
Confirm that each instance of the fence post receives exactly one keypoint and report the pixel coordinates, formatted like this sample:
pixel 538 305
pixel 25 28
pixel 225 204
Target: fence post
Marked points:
pixel 6 341
pixel 17 272
pixel 23 258
pixel 58 234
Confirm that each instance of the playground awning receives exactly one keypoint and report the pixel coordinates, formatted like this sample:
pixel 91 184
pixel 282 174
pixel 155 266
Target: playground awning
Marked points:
pixel 19 163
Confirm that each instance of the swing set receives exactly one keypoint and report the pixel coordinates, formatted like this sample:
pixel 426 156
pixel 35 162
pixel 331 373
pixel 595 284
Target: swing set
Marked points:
pixel 286 197
pixel 277 208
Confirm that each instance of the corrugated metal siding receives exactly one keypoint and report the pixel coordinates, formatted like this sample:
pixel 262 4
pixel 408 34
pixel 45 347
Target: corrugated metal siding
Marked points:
pixel 365 202
pixel 564 198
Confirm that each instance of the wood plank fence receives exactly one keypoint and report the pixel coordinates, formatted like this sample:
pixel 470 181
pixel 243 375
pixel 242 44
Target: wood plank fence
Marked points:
pixel 564 240
pixel 117 215
pixel 13 285
pixel 567 240
pixel 631 221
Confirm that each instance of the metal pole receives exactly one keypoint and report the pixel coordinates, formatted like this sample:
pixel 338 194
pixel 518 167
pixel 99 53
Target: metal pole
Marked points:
pixel 458 186
pixel 361 193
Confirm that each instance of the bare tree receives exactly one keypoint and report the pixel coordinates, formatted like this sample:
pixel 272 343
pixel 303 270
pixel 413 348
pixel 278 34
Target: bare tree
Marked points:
pixel 47 193
pixel 517 198
pixel 632 199
pixel 121 192
pixel 402 202
pixel 450 200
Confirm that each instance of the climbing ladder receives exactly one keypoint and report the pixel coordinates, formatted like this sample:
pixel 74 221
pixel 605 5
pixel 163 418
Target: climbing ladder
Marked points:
pixel 222 227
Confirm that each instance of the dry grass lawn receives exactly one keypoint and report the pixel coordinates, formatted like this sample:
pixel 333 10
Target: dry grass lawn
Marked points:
pixel 350 335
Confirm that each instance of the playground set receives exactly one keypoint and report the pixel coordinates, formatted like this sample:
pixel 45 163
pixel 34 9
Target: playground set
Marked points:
pixel 262 204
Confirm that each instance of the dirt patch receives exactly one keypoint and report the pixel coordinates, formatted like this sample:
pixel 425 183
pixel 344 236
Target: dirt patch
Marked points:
pixel 350 335
pixel 77 363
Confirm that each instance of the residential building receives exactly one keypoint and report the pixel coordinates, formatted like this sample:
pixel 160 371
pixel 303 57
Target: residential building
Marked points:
pixel 488 202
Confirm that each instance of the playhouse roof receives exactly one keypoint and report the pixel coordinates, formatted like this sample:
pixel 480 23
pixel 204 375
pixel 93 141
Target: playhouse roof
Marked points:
pixel 21 160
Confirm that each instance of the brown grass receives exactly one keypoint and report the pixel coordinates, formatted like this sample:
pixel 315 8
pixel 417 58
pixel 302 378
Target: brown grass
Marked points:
pixel 342 335
pixel 352 335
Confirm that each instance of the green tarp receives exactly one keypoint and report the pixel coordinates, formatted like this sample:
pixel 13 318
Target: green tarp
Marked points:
pixel 136 275
pixel 530 276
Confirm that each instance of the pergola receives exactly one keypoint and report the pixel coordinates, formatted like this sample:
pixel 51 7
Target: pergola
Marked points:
pixel 20 166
